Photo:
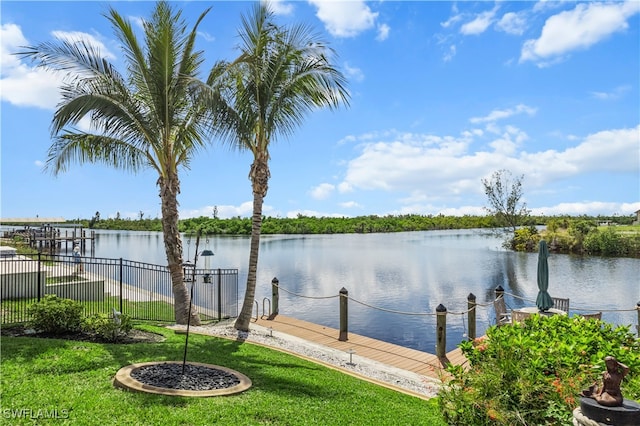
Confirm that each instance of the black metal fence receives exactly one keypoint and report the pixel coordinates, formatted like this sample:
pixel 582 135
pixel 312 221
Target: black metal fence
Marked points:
pixel 140 290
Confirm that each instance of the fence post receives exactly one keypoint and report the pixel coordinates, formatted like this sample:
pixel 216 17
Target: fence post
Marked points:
pixel 638 326
pixel 121 271
pixel 275 296
pixel 471 306
pixel 441 326
pixel 40 279
pixel 219 295
pixel 499 292
pixel 344 310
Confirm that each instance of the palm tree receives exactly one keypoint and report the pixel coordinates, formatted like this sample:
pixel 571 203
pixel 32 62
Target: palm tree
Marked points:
pixel 147 120
pixel 280 75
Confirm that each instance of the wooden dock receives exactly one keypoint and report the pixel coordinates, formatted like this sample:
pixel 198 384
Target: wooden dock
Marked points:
pixel 418 362
pixel 51 239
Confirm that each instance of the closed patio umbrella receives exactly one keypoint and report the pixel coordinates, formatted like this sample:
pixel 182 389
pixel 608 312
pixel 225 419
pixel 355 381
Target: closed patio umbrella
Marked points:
pixel 543 301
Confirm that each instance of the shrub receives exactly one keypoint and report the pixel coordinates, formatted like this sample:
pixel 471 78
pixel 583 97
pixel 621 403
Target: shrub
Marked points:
pixel 606 242
pixel 533 372
pixel 525 239
pixel 55 315
pixel 109 327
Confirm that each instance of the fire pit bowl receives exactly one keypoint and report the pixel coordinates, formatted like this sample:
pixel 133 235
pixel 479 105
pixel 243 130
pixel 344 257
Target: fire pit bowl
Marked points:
pixel 166 378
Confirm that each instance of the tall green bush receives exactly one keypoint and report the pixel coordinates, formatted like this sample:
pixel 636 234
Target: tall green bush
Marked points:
pixel 55 315
pixel 607 242
pixel 111 328
pixel 532 373
pixel 526 239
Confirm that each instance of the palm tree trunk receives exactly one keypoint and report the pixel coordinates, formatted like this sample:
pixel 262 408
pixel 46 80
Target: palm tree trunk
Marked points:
pixel 169 189
pixel 259 179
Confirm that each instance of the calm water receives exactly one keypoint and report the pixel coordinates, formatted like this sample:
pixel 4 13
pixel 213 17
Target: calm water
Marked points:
pixel 410 272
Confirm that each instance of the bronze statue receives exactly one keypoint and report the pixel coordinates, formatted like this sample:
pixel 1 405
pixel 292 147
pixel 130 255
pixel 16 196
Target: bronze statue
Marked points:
pixel 609 395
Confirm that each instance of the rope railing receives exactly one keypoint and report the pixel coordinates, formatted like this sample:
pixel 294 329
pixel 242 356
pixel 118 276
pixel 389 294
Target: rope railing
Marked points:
pixel 465 312
pixel 478 305
pixel 392 311
pixel 440 313
pixel 574 307
pixel 306 297
pixel 484 305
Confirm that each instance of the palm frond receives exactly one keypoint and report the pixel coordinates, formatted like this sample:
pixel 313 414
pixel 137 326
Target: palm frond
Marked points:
pixel 281 74
pixel 76 147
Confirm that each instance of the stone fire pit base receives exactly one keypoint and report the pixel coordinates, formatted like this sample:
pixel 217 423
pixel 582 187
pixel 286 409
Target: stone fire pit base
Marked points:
pixel 165 378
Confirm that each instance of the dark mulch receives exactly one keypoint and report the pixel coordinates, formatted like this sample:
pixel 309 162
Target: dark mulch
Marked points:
pixel 134 336
pixel 195 377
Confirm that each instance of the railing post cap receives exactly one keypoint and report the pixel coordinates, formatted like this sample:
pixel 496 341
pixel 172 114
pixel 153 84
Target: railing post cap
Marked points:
pixel 638 304
pixel 343 290
pixel 275 280
pixel 441 308
pixel 499 288
pixel 471 296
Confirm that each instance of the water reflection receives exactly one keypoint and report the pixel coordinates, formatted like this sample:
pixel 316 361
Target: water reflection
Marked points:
pixel 409 272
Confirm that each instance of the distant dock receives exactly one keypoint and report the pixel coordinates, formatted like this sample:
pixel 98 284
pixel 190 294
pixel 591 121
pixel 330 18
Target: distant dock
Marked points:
pixel 50 238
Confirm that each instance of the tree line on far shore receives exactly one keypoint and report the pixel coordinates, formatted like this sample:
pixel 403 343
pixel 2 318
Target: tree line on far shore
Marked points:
pixel 338 225
pixel 595 235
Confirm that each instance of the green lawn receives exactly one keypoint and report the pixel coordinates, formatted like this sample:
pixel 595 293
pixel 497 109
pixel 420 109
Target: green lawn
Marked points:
pixel 627 229
pixel 15 310
pixel 44 377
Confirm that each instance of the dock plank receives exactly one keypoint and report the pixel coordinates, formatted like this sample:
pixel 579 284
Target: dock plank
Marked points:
pixel 408 359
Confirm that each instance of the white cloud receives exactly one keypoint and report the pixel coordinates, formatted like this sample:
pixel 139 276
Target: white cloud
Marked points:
pixel 447 44
pixel 350 205
pixel 510 140
pixel 225 212
pixel 280 7
pixel 580 28
pixel 512 23
pixel 402 162
pixel 500 114
pixel 544 5
pixel 590 208
pixel 480 23
pixel 455 17
pixel 430 208
pixel 430 167
pixel 452 20
pixel 85 124
pixel 345 18
pixel 344 187
pixel 383 32
pixel 322 191
pixel 10 41
pixel 137 21
pixel 25 85
pixel 616 93
pixel 354 73
pixel 89 39
pixel 20 84
pixel 449 54
pixel 206 36
pixel 609 150
pixel 311 213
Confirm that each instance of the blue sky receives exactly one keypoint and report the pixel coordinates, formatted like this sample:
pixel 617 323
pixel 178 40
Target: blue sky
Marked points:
pixel 442 95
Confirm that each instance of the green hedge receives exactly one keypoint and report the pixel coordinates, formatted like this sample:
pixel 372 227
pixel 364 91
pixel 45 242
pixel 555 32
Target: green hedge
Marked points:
pixel 532 373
